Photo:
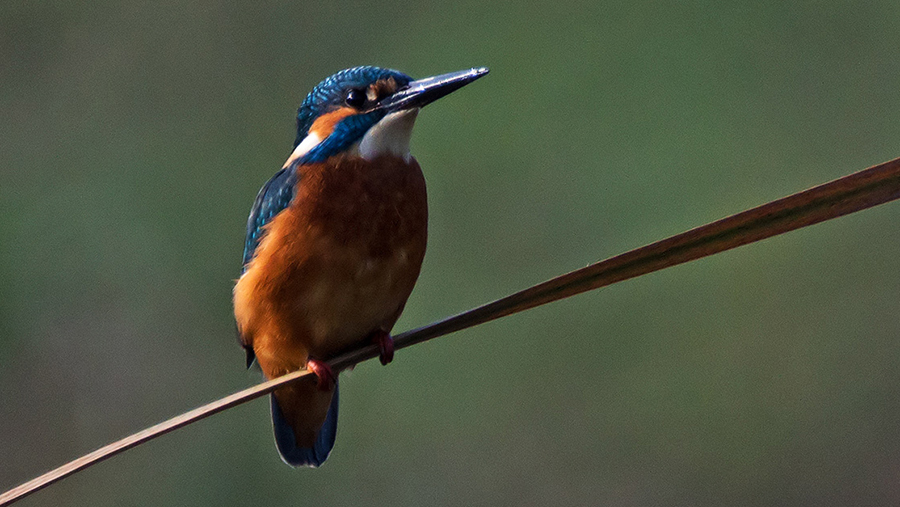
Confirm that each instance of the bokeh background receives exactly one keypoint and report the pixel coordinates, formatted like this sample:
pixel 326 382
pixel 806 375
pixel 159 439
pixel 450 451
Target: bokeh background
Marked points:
pixel 133 139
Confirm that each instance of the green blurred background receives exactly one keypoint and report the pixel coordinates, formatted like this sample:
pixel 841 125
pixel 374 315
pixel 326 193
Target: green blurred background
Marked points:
pixel 133 139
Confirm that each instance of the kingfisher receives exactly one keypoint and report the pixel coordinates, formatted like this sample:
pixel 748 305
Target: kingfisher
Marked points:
pixel 335 242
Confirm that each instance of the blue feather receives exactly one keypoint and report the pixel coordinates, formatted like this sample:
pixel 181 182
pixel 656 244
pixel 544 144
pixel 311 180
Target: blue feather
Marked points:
pixel 273 198
pixel 348 131
pixel 287 443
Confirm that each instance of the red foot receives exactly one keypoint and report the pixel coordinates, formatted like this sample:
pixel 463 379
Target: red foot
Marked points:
pixel 385 346
pixel 327 378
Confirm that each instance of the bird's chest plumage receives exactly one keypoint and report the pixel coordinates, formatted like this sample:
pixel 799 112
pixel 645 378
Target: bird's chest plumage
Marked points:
pixel 337 264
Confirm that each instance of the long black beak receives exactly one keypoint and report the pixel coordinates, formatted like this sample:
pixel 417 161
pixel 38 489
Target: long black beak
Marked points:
pixel 425 91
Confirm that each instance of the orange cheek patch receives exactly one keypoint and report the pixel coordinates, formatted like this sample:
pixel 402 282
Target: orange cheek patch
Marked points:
pixel 324 125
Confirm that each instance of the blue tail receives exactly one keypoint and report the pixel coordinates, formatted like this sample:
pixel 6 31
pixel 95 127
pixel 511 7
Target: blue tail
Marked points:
pixel 287 443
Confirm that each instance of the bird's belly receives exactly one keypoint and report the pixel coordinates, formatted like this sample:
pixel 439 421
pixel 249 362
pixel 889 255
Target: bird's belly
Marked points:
pixel 347 295
pixel 325 301
pixel 335 266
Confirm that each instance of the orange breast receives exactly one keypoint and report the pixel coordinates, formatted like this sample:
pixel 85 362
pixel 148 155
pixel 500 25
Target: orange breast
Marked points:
pixel 338 264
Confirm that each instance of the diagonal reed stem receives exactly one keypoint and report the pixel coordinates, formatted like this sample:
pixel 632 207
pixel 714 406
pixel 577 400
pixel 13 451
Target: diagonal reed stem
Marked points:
pixel 873 186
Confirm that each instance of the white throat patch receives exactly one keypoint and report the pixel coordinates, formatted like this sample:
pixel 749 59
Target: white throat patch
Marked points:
pixel 390 136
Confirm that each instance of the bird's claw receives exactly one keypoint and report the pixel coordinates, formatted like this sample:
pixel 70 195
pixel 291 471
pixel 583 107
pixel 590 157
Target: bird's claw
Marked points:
pixel 327 378
pixel 385 346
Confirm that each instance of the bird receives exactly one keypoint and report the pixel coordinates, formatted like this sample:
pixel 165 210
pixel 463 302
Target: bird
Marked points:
pixel 335 242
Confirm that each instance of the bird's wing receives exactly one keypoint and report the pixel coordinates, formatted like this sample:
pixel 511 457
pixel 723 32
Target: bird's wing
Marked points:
pixel 273 198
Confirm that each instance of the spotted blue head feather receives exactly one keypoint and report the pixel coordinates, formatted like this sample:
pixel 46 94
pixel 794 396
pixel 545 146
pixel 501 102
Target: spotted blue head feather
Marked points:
pixel 330 93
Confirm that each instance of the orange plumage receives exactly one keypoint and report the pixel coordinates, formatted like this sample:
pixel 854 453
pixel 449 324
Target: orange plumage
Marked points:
pixel 335 266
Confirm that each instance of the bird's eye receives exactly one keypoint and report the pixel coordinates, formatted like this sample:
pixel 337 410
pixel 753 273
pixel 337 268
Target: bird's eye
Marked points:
pixel 355 98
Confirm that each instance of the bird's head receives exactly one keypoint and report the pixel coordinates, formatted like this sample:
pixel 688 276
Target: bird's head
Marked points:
pixel 367 111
